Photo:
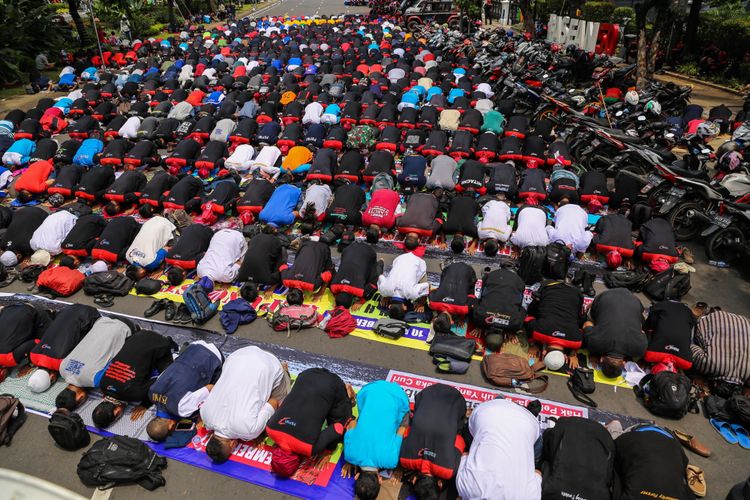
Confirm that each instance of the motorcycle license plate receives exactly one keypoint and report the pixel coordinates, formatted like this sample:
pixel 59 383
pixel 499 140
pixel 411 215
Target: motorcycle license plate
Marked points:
pixel 654 180
pixel 595 142
pixel 721 221
pixel 677 192
pixel 647 188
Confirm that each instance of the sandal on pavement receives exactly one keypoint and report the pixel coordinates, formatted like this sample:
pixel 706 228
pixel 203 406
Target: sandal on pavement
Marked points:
pixel 743 437
pixel 725 429
pixel 692 443
pixel 696 480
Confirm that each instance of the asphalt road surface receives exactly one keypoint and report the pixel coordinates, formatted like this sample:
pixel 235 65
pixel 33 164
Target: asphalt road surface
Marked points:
pixel 33 452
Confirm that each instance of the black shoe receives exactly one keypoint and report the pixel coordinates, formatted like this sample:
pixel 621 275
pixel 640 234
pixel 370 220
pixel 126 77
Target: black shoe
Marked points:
pixel 587 285
pixel 578 277
pixel 155 308
pixel 182 316
pixel 170 310
pixel 380 266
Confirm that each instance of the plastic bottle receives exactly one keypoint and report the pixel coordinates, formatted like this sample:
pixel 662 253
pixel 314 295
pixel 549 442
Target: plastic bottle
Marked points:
pixel 718 263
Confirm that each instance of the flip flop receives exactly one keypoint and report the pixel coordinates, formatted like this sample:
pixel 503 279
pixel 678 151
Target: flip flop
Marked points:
pixel 725 429
pixel 742 436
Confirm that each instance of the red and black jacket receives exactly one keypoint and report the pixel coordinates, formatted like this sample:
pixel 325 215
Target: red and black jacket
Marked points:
pixel 154 191
pixel 555 317
pixel 190 247
pixel 223 196
pixel 317 397
pixel 501 304
pixel 434 445
pixel 264 259
pixel 380 162
pixel 82 237
pixel 23 324
pixel 358 271
pixel 456 291
pixel 594 187
pixel 614 232
pixel 532 185
pixel 420 215
pixel 256 196
pixel 670 327
pixel 312 267
pixel 94 183
pixel 471 176
pixel 350 167
pixel 127 187
pixel 142 154
pixel 66 180
pixel 184 190
pixel 502 179
pixel 346 206
pixel 323 166
pixel 64 333
pixel 115 239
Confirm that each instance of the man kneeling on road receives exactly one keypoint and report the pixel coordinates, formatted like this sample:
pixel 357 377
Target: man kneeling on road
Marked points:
pixel 252 385
pixel 183 387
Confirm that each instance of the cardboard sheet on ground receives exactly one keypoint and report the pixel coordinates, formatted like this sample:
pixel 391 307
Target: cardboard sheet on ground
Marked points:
pixel 251 461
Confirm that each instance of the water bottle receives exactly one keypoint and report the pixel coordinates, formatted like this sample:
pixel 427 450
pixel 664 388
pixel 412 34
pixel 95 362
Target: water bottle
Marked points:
pixel 718 263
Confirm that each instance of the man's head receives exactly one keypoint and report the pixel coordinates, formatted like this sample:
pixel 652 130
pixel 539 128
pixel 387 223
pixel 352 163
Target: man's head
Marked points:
pixel 555 358
pixel 426 487
pixel 69 261
pixel 367 485
pixel 411 242
pixel 491 247
pixel 24 196
pixel 159 428
pixel 344 299
pixel 373 234
pixel 134 272
pixel 458 243
pixel 249 291
pixel 612 365
pixel 284 463
pixel 106 413
pixel 70 397
pixel 306 228
pixel 146 211
pixel 112 208
pixel 41 380
pixel 295 297
pixel 175 276
pixel 397 310
pixel 443 323
pixel 219 449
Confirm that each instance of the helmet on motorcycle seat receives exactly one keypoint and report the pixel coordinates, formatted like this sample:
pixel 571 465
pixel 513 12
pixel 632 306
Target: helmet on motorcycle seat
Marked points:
pixel 742 133
pixel 631 97
pixel 707 129
pixel 726 148
pixel 730 161
pixel 654 107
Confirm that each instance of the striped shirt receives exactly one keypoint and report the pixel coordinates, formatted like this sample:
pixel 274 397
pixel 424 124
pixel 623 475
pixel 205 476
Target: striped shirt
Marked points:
pixel 721 349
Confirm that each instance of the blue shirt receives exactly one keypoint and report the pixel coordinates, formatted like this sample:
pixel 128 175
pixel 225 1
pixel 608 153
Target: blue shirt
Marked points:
pixel 374 441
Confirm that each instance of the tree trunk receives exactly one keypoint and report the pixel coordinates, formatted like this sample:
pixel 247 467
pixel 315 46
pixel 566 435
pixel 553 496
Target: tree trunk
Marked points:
pixel 528 18
pixel 691 26
pixel 642 67
pixel 83 34
pixel 212 4
pixel 654 52
pixel 170 10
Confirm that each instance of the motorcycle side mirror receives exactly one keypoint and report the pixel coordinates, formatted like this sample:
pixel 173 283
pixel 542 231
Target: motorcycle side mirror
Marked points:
pixel 641 118
pixel 705 151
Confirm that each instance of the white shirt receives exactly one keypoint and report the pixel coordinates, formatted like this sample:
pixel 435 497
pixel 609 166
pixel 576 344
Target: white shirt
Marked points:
pixel 313 112
pixel 319 195
pixel 494 223
pixel 153 236
pixel 220 263
pixel 500 463
pixel 51 233
pixel 94 352
pixel 237 407
pixel 570 227
pixel 530 228
pixel 241 159
pixel 190 402
pixel 266 160
pixel 403 280
pixel 130 129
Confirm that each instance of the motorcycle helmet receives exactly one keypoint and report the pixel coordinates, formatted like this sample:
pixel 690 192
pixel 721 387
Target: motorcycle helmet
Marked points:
pixel 737 184
pixel 654 107
pixel 631 97
pixel 742 133
pixel 707 130
pixel 729 161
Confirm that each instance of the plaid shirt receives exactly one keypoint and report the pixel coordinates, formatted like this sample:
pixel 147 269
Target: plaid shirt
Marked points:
pixel 721 347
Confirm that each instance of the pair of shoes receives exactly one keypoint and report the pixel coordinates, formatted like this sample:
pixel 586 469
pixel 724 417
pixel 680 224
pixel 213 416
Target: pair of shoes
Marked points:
pixel 584 280
pixel 154 309
pixel 691 443
pixel 182 315
pixel 696 480
pixel 732 433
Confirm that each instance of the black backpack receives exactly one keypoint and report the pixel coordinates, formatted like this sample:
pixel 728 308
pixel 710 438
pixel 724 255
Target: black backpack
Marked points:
pixel 573 445
pixel 68 430
pixel 531 263
pixel 668 285
pixel 9 424
pixel 665 394
pixel 121 460
pixel 107 283
pixel 738 406
pixel 556 261
pixel 632 280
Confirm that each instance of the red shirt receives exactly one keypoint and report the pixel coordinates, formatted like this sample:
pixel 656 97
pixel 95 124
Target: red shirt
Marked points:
pixel 34 179
pixel 382 209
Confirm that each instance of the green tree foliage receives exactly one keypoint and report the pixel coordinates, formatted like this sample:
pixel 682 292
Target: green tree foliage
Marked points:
pixel 29 26
pixel 600 12
pixel 620 14
pixel 470 8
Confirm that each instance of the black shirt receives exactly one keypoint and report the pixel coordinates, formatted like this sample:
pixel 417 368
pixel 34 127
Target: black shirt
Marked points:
pixel 64 333
pixel 21 323
pixel 614 230
pixel 558 313
pixel 159 184
pixel 456 290
pixel 184 190
pixel 265 255
pixel 346 205
pixel 256 196
pixel 95 182
pixel 190 246
pixel 131 181
pixel 25 221
pixel 618 320
pixel 312 260
pixel 462 216
pixel 658 237
pixel 317 396
pixel 129 374
pixel 501 303
pixel 84 233
pixel 357 273
pixel 670 325
pixel 67 178
pixel 116 238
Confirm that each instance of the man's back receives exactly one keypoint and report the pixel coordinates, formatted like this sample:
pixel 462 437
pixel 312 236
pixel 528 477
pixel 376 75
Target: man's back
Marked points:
pixel 618 321
pixel 85 364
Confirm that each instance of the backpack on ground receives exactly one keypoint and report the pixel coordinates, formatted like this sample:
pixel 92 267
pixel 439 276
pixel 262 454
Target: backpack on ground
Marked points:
pixel 60 281
pixel 573 445
pixel 556 261
pixel 738 406
pixel 68 430
pixel 632 280
pixel 531 264
pixel 666 394
pixel 668 284
pixel 361 137
pixel 508 370
pixel 199 304
pixel 107 283
pixel 288 318
pixel 12 417
pixel 390 328
pixel 121 460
